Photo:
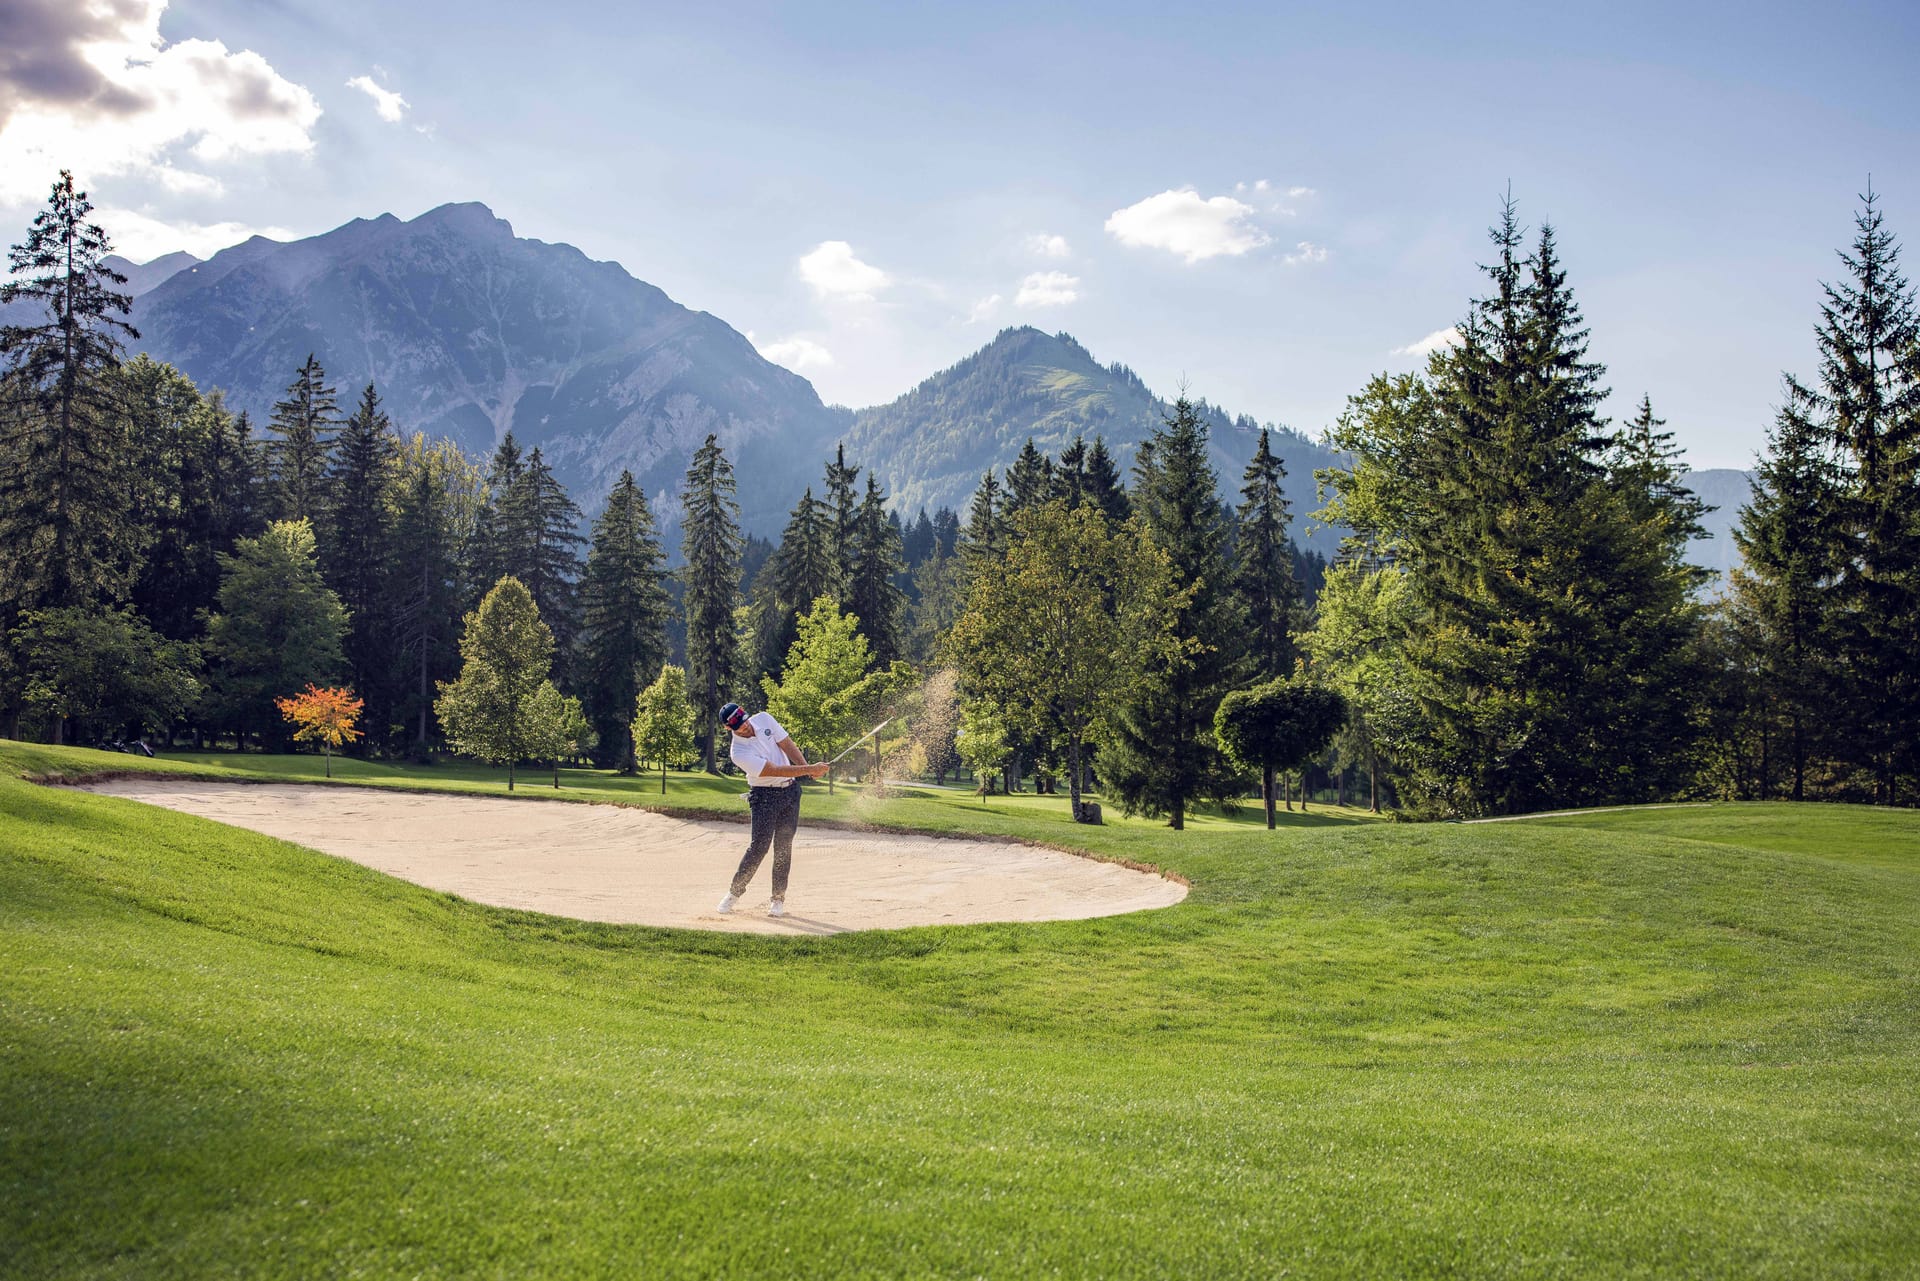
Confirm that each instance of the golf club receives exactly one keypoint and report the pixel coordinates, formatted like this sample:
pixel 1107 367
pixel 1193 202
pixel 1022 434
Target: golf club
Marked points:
pixel 863 738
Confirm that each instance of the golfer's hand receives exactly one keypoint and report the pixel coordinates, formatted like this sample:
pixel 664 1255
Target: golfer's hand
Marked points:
pixel 818 771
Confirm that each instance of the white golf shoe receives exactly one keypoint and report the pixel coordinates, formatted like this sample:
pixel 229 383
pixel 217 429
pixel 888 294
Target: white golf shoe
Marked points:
pixel 777 908
pixel 726 905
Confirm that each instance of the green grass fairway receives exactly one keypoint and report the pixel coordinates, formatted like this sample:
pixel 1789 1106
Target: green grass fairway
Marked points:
pixel 1661 1043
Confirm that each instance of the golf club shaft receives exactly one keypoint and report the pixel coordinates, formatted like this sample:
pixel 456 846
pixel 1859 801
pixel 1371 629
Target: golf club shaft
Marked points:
pixel 863 738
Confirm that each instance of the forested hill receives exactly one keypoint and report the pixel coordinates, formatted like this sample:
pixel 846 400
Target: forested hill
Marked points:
pixel 932 444
pixel 469 330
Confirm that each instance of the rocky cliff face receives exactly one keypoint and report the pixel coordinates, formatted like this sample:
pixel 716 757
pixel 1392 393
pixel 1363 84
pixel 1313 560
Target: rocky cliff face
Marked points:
pixel 469 332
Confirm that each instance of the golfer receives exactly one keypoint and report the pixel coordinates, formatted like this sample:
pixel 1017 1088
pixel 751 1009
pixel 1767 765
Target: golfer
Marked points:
pixel 774 768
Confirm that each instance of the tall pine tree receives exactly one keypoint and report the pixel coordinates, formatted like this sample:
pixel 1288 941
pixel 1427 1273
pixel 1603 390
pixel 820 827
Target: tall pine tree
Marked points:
pixel 1263 566
pixel 873 592
pixel 436 498
pixel 1161 756
pixel 300 445
pixel 539 529
pixel 1790 563
pixel 1103 487
pixel 1029 480
pixel 1868 402
pixel 1550 631
pixel 66 534
pixel 844 504
pixel 357 540
pixel 984 538
pixel 624 617
pixel 711 547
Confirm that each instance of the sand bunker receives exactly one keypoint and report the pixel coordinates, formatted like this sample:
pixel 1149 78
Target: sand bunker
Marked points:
pixel 605 863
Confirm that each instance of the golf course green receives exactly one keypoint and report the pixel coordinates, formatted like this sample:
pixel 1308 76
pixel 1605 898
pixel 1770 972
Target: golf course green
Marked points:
pixel 1654 1043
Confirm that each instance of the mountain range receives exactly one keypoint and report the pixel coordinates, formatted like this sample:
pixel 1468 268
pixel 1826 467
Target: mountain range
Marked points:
pixel 469 331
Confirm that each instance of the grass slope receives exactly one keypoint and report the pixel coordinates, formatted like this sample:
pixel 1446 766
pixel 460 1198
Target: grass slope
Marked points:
pixel 1669 1043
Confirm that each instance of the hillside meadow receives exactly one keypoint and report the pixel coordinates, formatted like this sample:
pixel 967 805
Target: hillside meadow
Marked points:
pixel 1650 1043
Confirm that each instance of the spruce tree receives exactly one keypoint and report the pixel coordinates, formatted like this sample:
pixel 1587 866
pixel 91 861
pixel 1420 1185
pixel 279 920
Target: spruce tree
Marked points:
pixel 1103 487
pixel 1070 474
pixel 300 445
pixel 873 592
pixel 66 537
pixel 1868 402
pixel 984 539
pixel 1646 467
pixel 916 544
pixel 844 504
pixel 1263 566
pixel 1029 480
pixel 624 617
pixel 1790 562
pixel 711 548
pixel 164 420
pixel 494 533
pixel 946 531
pixel 1162 755
pixel 937 603
pixel 436 497
pixel 806 565
pixel 357 540
pixel 1550 656
pixel 541 544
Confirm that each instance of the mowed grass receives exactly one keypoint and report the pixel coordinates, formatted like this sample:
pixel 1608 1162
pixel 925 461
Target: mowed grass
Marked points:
pixel 1662 1043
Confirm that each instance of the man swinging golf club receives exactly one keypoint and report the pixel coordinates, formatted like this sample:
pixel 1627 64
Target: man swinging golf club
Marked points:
pixel 774 767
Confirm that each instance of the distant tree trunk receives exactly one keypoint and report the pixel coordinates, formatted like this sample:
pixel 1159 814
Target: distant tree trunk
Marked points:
pixel 1303 789
pixel 1799 758
pixel 1340 780
pixel 1266 794
pixel 1073 779
pixel 1373 782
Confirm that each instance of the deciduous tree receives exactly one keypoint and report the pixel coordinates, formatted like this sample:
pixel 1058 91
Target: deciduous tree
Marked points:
pixel 508 651
pixel 327 716
pixel 664 723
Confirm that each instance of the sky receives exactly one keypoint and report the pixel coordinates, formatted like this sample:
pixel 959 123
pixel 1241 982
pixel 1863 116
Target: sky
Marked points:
pixel 1268 203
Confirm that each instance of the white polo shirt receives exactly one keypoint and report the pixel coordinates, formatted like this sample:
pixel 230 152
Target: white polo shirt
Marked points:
pixel 754 754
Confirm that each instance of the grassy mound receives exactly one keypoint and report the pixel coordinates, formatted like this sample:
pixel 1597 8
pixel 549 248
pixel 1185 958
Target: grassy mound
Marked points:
pixel 1654 1043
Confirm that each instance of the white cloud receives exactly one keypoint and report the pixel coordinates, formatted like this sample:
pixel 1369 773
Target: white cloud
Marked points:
pixel 94 88
pixel 1435 341
pixel 984 309
pixel 797 353
pixel 835 273
pixel 142 237
pixel 391 106
pixel 1306 251
pixel 1300 193
pixel 1186 223
pixel 1049 246
pixel 1047 289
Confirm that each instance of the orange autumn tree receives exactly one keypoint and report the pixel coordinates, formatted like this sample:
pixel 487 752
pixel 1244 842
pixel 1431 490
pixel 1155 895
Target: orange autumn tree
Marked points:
pixel 324 714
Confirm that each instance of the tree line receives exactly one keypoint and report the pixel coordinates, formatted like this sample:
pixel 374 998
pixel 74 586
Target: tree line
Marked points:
pixel 1511 623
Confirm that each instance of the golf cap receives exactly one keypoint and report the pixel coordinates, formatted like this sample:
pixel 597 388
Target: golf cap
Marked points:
pixel 732 715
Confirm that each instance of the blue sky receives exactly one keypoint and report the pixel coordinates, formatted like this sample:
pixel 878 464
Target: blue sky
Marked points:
pixel 1271 203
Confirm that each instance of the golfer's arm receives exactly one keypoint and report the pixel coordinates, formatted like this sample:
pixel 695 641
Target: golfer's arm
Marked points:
pixel 794 754
pixel 785 771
